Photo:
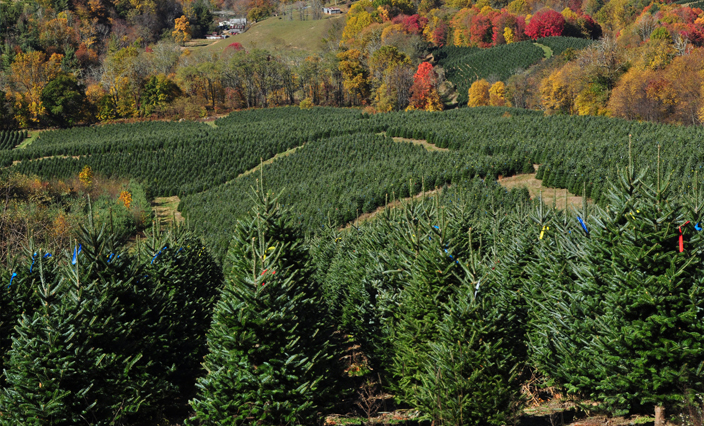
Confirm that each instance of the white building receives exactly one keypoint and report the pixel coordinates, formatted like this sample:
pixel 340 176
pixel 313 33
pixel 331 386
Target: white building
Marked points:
pixel 331 11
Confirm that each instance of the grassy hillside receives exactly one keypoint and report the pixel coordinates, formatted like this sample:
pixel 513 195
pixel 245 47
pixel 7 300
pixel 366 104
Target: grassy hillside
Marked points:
pixel 277 34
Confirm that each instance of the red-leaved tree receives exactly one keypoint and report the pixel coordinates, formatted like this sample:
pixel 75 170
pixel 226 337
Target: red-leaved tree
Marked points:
pixel 424 93
pixel 545 23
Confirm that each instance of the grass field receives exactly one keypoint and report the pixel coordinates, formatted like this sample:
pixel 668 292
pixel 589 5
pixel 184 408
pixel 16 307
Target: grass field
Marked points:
pixel 276 34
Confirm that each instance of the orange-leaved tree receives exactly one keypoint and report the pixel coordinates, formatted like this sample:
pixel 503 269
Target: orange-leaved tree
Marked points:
pixel 424 92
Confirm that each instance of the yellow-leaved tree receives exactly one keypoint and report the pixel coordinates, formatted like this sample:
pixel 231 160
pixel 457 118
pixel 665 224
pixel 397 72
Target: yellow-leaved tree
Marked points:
pixel 479 93
pixel 497 94
pixel 182 30
pixel 86 176
pixel 31 72
pixel 354 74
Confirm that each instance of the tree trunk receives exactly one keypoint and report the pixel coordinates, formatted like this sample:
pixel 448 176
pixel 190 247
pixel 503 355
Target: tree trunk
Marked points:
pixel 659 415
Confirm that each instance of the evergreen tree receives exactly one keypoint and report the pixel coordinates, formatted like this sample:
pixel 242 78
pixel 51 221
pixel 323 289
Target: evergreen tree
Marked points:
pixel 41 367
pixel 184 282
pixel 85 344
pixel 18 292
pixel 618 317
pixel 429 250
pixel 270 360
pixel 473 372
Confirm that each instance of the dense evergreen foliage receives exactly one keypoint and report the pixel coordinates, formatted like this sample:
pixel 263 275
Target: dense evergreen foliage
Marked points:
pixel 182 158
pixel 615 312
pixel 450 298
pixel 464 65
pixel 96 338
pixel 333 181
pixel 560 44
pixel 270 357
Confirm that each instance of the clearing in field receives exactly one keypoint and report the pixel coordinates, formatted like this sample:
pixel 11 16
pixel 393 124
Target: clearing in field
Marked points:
pixel 536 189
pixel 425 144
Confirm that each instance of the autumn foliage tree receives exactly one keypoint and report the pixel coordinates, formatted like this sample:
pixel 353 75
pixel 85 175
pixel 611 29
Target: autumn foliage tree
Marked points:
pixel 479 93
pixel 545 23
pixel 354 73
pixel 182 30
pixel 424 92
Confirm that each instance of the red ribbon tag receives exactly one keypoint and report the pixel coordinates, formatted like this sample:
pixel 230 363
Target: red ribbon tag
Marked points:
pixel 681 237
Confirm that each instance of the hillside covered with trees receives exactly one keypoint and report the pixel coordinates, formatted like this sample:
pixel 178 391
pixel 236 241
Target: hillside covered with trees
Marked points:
pixel 70 62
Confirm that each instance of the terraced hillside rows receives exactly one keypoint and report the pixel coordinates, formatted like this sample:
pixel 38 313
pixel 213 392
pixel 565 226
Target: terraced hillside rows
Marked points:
pixel 346 167
pixel 181 158
pixel 10 138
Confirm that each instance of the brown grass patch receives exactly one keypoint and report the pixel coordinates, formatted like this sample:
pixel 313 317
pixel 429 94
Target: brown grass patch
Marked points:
pixel 425 144
pixel 165 209
pixel 536 189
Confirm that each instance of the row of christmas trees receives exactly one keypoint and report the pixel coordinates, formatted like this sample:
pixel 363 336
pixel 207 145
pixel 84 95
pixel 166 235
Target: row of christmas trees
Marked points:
pixel 451 299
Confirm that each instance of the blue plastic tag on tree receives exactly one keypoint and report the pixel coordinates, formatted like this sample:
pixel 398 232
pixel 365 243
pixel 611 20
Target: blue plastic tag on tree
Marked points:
pixel 76 252
pixel 584 226
pixel 14 274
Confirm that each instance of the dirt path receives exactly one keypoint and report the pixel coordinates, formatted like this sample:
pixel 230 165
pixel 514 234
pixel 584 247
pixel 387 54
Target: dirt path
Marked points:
pixel 75 157
pixel 425 144
pixel 165 209
pixel 271 160
pixel 391 205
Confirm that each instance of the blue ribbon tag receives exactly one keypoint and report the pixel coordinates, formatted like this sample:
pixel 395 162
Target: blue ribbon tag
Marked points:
pixel 584 226
pixel 14 274
pixel 76 252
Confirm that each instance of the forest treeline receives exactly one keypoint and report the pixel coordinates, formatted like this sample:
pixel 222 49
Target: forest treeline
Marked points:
pixel 450 303
pixel 69 62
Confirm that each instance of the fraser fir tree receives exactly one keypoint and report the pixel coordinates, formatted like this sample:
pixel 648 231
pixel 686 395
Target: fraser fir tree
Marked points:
pixel 41 362
pixel 18 289
pixel 620 319
pixel 430 265
pixel 472 374
pixel 270 360
pixel 84 346
pixel 184 281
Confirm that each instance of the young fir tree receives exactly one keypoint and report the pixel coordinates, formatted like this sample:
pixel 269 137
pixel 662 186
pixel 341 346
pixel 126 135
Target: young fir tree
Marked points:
pixel 41 362
pixel 185 281
pixel 84 346
pixel 430 252
pixel 18 292
pixel 270 360
pixel 620 320
pixel 473 372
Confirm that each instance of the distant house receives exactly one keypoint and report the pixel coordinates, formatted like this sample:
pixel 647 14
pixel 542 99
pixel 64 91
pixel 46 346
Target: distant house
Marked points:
pixel 233 26
pixel 331 11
